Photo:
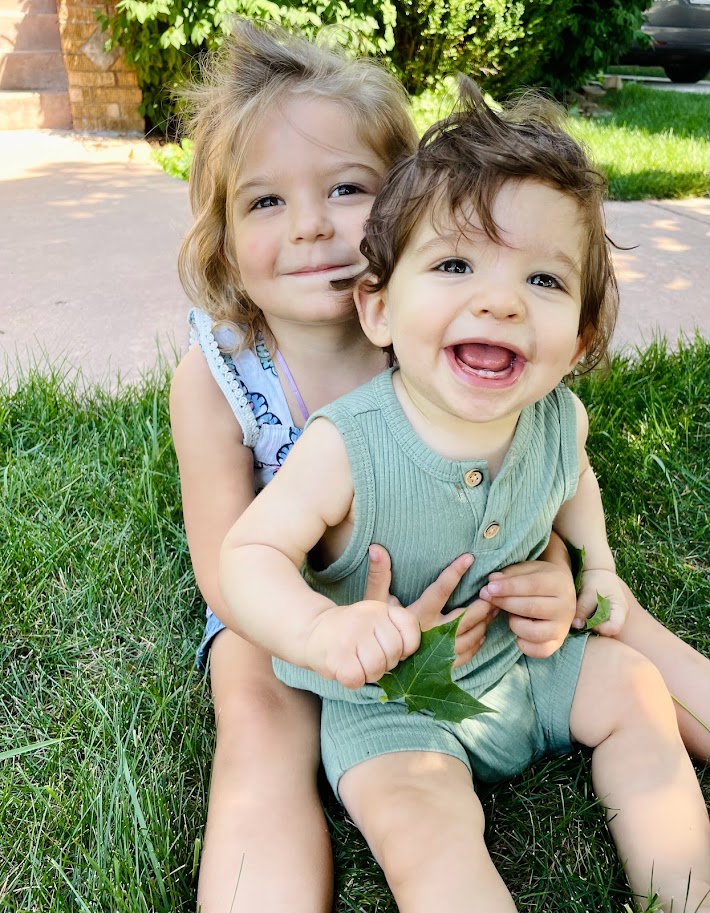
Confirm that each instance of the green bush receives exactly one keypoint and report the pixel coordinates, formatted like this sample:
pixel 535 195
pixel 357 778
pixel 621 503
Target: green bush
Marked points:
pixel 497 43
pixel 593 34
pixel 552 43
pixel 163 39
pixel 503 45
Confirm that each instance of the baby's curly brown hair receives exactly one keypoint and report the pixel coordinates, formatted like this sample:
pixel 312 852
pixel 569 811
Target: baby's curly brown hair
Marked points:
pixel 463 161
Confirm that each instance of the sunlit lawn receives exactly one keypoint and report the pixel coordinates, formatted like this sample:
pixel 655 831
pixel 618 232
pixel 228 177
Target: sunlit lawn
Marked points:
pixel 106 730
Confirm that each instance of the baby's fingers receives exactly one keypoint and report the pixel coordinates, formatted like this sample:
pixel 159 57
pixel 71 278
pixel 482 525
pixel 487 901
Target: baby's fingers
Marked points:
pixel 586 607
pixel 408 628
pixel 379 653
pixel 537 638
pixel 613 625
pixel 472 628
pixel 430 604
pixel 379 575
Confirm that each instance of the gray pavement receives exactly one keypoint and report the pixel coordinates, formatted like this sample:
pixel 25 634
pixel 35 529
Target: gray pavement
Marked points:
pixel 91 227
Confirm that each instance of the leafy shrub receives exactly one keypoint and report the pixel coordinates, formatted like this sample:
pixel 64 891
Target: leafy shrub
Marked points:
pixel 163 39
pixel 175 159
pixel 593 34
pixel 552 43
pixel 497 43
pixel 503 45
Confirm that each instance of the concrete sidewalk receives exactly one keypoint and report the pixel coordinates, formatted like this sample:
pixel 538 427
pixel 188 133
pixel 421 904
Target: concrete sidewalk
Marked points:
pixel 91 228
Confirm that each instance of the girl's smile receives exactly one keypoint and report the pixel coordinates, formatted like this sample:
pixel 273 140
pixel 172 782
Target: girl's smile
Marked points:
pixel 305 188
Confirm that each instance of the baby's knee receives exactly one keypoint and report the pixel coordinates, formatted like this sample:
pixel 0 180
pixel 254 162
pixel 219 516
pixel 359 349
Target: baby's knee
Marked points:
pixel 413 815
pixel 638 689
pixel 642 684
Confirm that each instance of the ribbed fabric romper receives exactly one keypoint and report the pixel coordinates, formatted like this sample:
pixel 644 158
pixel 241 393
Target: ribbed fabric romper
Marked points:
pixel 426 510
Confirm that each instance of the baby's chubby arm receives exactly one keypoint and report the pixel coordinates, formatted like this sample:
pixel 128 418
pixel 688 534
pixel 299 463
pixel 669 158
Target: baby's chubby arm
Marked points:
pixel 268 600
pixel 581 522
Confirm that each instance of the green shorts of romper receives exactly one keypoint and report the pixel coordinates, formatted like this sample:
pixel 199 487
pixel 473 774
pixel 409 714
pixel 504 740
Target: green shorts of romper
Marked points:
pixel 533 701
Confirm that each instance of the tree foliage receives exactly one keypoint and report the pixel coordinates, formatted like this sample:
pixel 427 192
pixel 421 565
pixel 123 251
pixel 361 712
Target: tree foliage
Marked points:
pixel 163 39
pixel 555 44
pixel 593 34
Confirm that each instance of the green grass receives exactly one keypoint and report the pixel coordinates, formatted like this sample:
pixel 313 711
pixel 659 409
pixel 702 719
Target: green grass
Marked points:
pixel 106 730
pixel 636 71
pixel 649 143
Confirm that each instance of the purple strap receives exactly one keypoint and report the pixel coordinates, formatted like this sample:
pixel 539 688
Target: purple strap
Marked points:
pixel 292 385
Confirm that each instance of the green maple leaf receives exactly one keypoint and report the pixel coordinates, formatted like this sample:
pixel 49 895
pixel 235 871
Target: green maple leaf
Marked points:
pixel 424 679
pixel 576 557
pixel 601 614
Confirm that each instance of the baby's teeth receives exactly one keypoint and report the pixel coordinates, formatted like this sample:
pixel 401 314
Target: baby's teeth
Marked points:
pixel 483 372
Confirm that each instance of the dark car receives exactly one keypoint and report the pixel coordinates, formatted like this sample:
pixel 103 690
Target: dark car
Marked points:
pixel 680 39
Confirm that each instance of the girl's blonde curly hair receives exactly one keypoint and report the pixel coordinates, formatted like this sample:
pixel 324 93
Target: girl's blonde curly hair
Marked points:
pixel 259 66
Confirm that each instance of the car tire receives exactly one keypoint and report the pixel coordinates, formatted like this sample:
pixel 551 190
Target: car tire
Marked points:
pixel 688 71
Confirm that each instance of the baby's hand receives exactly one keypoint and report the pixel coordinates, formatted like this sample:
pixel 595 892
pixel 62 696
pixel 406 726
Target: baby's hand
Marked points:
pixel 427 609
pixel 358 643
pixel 540 600
pixel 605 583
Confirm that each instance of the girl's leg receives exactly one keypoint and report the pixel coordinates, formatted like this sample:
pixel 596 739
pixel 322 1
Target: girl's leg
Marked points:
pixel 643 775
pixel 685 672
pixel 424 824
pixel 266 847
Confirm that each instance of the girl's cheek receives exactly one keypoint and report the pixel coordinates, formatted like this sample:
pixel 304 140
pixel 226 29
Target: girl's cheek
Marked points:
pixel 254 251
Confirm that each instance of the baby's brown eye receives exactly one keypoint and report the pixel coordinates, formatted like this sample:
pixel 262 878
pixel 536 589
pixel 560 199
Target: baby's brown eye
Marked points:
pixel 544 280
pixel 454 265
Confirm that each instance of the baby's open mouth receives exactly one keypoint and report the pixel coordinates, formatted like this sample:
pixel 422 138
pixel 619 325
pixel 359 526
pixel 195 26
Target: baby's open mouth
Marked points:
pixel 488 361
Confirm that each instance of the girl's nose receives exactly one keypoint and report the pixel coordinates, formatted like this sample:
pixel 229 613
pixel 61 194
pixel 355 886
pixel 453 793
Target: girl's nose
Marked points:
pixel 309 222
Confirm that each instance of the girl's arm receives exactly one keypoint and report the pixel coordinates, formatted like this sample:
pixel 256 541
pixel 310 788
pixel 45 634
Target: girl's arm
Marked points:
pixel 267 598
pixel 216 469
pixel 581 522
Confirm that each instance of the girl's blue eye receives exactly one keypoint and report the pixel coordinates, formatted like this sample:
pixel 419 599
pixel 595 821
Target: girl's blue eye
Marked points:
pixel 454 265
pixel 544 280
pixel 345 190
pixel 267 202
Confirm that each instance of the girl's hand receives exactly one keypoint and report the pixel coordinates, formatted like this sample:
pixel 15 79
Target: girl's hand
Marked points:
pixel 358 643
pixel 540 600
pixel 428 608
pixel 606 583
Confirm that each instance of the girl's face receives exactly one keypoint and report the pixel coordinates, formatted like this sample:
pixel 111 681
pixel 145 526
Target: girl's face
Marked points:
pixel 305 188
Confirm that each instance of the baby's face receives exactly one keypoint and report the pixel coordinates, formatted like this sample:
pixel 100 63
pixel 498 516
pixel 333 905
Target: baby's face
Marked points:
pixel 482 329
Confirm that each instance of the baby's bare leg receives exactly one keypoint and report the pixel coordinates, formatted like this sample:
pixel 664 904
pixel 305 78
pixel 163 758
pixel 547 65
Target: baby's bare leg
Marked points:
pixel 685 672
pixel 643 775
pixel 266 842
pixel 424 824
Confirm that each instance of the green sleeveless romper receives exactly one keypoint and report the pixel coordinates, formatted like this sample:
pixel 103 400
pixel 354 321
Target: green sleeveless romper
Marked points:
pixel 426 510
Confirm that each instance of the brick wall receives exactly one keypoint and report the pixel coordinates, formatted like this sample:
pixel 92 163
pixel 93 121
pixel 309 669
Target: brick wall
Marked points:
pixel 103 90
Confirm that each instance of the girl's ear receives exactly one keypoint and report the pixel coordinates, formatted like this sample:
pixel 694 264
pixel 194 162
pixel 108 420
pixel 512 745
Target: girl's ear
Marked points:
pixel 372 311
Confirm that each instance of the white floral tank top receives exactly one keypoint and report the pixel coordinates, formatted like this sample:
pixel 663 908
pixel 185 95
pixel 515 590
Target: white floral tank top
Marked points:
pixel 251 387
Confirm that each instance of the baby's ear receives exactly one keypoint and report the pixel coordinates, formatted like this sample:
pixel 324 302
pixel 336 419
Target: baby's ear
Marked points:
pixel 372 311
pixel 578 352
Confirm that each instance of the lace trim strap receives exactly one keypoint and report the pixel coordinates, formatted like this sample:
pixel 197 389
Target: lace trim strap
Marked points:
pixel 201 333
